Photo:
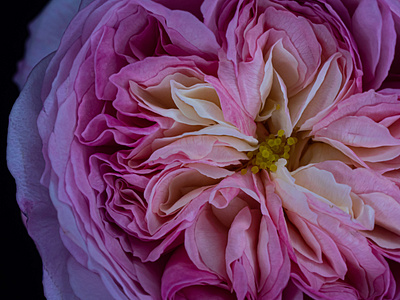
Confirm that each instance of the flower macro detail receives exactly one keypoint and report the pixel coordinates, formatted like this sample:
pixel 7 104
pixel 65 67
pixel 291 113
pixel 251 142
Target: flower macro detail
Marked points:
pixel 212 149
pixel 269 151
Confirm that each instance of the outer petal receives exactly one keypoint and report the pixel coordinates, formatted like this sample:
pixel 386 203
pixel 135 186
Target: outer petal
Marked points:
pixel 33 198
pixel 372 25
pixel 46 32
pixel 373 29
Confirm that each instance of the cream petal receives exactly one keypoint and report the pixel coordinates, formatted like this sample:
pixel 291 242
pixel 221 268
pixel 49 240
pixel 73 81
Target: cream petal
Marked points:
pixel 285 64
pixel 199 148
pixel 280 118
pixel 363 213
pixel 198 102
pixel 343 148
pixel 238 139
pixel 292 198
pixel 150 101
pixel 265 89
pixel 323 184
pixel 298 104
pixel 384 238
pixel 319 152
pixel 310 182
pixel 168 193
pixel 210 171
pixel 325 97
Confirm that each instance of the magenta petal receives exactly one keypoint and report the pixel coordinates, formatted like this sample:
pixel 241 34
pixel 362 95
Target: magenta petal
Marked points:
pixel 181 276
pixel 192 6
pixel 373 29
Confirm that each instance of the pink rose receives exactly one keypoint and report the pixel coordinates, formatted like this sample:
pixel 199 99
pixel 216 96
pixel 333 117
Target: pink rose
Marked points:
pixel 220 149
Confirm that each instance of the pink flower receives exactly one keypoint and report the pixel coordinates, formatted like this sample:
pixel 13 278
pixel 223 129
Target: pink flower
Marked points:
pixel 220 149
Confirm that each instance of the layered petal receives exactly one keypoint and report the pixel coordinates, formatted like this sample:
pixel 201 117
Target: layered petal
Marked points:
pixel 333 257
pixel 95 192
pixel 365 128
pixel 233 239
pixel 34 200
pixel 212 149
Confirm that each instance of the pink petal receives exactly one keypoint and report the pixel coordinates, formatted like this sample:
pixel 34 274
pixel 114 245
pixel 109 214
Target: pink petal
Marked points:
pixel 374 31
pixel 181 276
pixel 33 198
pixel 359 132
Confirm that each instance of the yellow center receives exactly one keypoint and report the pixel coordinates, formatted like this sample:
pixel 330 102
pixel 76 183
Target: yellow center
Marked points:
pixel 269 151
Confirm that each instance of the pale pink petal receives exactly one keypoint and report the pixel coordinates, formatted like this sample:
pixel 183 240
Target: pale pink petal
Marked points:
pixel 39 214
pixel 359 131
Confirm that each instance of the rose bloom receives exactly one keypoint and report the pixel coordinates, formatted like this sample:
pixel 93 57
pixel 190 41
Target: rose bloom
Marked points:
pixel 217 149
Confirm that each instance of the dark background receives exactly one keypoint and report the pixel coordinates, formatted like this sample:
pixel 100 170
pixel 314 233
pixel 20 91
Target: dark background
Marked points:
pixel 21 268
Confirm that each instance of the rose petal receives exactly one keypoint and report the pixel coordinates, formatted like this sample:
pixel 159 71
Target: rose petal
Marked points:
pixel 33 198
pixel 46 32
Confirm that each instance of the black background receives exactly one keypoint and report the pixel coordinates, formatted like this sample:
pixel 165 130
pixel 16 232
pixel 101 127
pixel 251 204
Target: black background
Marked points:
pixel 21 268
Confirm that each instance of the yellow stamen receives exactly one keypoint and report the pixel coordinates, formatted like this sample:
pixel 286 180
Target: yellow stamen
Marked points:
pixel 273 168
pixel 291 141
pixel 254 169
pixel 271 142
pixel 265 153
pixel 269 152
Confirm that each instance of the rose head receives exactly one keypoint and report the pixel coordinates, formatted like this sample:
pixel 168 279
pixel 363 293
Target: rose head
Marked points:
pixel 214 149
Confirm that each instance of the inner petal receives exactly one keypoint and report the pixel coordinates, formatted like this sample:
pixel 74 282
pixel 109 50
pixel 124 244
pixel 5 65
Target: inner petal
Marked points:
pixel 199 102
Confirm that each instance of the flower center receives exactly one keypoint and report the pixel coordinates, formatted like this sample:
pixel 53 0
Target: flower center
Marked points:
pixel 269 151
